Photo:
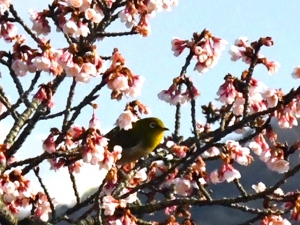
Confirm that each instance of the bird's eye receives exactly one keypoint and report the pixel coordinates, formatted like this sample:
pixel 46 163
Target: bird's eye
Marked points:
pixel 152 125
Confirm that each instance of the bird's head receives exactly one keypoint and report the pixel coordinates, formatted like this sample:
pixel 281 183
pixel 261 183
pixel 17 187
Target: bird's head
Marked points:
pixel 150 129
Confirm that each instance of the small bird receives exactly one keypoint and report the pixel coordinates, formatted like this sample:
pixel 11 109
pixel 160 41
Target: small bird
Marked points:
pixel 139 141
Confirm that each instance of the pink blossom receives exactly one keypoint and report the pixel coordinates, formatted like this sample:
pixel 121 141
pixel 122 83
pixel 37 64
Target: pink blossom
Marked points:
pixel 287 120
pixel 8 31
pixel 215 177
pixel 164 96
pixel 76 166
pixel 49 144
pixel 238 105
pixel 278 165
pixel 42 207
pixel 126 119
pixel 213 151
pixel 265 155
pixel 82 30
pixel 255 147
pixel 135 87
pixel 229 173
pixel 201 67
pixel 75 3
pixel 141 175
pixel 260 187
pixel 93 15
pixel 119 84
pixel 20 67
pixel 40 23
pixel 41 63
pixel 241 42
pixel 182 187
pixel 109 204
pixel 236 53
pixel 87 70
pixel 227 92
pixel 70 27
pixel 271 66
pixel 2 158
pixel 240 154
pixel 4 5
pixel 219 44
pixel 271 97
pixel 178 46
pixel 127 18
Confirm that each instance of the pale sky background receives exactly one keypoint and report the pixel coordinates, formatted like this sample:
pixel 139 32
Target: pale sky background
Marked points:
pixel 152 58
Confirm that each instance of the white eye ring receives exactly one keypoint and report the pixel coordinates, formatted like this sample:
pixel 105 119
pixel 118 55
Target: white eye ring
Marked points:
pixel 152 125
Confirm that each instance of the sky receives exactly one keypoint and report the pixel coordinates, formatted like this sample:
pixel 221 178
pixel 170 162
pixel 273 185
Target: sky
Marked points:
pixel 152 58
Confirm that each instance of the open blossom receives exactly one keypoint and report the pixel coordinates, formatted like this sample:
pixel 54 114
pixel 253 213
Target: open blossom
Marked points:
pixel 227 172
pixel 183 187
pixel 271 97
pixel 127 18
pixel 42 207
pixel 213 151
pixel 20 67
pixel 209 54
pixel 8 31
pixel 70 27
pixel 278 165
pixel 40 23
pixel 126 119
pixel 82 30
pixel 238 153
pixel 109 204
pixel 94 151
pixel 271 66
pixel 93 15
pixel 260 187
pixel 173 96
pixel 134 89
pixel 241 42
pixel 236 53
pixel 287 120
pixel 178 46
pixel 87 70
pixel 4 5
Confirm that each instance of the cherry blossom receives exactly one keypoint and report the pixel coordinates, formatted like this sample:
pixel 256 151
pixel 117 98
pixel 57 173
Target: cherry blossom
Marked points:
pixel 227 91
pixel 278 165
pixel 40 23
pixel 178 46
pixel 260 187
pixel 182 187
pixel 4 5
pixel 126 119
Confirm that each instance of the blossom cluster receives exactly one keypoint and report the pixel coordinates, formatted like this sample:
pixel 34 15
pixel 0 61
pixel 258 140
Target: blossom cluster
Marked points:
pixel 174 95
pixel 17 192
pixel 207 51
pixel 137 16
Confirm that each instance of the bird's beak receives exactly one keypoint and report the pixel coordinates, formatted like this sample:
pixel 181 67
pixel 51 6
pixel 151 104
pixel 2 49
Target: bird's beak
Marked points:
pixel 164 128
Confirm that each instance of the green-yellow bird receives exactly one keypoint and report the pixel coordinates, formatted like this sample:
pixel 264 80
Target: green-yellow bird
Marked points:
pixel 139 141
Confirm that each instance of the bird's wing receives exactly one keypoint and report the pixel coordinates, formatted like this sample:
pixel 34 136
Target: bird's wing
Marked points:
pixel 122 138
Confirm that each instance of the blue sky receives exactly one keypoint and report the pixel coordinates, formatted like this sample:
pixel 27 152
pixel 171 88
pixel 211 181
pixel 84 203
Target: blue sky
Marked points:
pixel 152 58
